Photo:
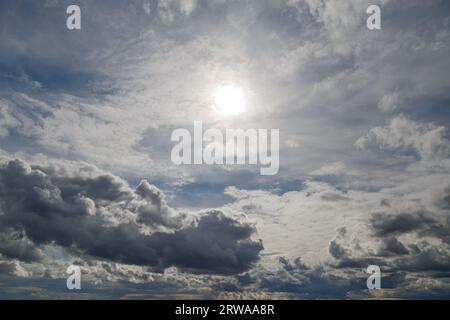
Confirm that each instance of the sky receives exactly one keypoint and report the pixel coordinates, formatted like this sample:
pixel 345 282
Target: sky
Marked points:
pixel 86 177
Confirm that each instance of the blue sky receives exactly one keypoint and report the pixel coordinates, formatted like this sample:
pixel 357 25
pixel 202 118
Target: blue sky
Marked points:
pixel 85 124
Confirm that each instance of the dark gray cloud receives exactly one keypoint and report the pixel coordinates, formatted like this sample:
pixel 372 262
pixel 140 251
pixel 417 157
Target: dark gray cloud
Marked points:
pixel 385 224
pixel 156 212
pixel 14 245
pixel 425 257
pixel 8 268
pixel 84 214
pixel 392 246
pixel 399 240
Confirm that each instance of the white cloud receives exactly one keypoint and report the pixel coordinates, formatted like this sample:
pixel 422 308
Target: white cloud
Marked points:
pixel 428 140
pixel 390 102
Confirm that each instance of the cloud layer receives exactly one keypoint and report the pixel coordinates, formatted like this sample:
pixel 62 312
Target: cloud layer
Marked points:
pixel 364 153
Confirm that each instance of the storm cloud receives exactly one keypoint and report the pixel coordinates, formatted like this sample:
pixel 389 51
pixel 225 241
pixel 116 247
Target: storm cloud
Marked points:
pixel 102 217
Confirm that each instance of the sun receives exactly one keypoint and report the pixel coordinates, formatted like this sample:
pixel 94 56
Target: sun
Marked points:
pixel 230 100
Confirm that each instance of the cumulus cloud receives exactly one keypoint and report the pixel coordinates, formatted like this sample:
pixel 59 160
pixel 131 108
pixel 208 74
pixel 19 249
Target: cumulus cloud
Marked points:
pixel 427 140
pixel 400 222
pixel 16 246
pixel 404 237
pixel 99 215
pixel 392 246
pixel 13 268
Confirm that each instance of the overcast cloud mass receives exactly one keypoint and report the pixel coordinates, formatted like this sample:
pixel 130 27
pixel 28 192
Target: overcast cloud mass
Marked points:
pixel 86 177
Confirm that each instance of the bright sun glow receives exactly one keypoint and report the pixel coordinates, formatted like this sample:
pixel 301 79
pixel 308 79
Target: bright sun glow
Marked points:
pixel 230 100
